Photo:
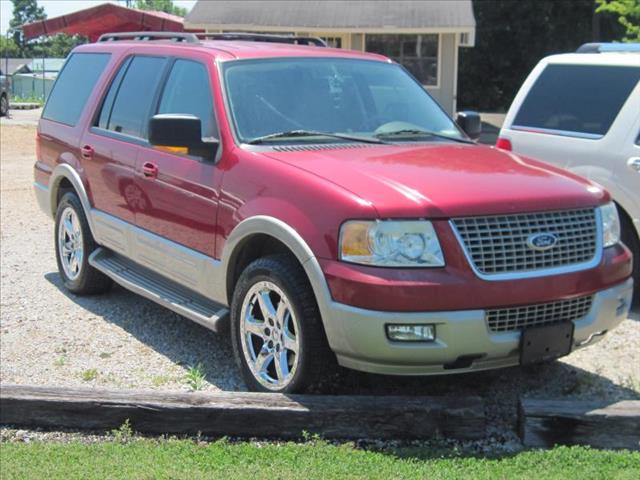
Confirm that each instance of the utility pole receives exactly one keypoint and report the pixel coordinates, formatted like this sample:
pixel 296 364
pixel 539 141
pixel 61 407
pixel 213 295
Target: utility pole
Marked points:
pixel 6 58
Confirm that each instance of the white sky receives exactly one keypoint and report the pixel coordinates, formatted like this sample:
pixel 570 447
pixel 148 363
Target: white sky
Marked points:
pixel 54 8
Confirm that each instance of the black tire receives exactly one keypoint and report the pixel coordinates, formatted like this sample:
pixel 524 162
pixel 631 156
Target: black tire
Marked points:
pixel 316 361
pixel 4 105
pixel 89 281
pixel 630 239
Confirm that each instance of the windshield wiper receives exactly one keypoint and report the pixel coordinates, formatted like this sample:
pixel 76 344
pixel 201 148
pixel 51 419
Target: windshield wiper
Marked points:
pixel 312 133
pixel 405 132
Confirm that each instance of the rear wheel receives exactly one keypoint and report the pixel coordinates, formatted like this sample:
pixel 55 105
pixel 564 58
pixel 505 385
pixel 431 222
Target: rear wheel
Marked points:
pixel 74 244
pixel 630 239
pixel 277 333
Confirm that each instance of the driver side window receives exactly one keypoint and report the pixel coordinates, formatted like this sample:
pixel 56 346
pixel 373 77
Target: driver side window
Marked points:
pixel 188 90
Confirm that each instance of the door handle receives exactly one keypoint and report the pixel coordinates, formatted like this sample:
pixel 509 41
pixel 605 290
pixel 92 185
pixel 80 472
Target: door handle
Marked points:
pixel 149 170
pixel 87 152
pixel 634 163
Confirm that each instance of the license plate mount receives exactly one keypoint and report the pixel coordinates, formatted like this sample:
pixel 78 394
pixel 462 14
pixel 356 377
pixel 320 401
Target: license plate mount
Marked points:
pixel 548 342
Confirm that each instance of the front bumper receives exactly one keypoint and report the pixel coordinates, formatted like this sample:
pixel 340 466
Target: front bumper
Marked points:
pixel 358 337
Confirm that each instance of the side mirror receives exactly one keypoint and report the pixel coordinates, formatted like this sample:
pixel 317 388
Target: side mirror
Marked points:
pixel 470 123
pixel 181 133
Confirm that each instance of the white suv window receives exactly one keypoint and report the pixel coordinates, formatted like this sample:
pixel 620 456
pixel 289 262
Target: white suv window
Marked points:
pixel 580 99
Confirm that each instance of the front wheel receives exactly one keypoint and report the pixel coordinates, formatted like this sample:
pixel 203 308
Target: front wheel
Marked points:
pixel 277 334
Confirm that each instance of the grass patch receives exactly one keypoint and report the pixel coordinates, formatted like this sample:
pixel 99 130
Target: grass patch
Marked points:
pixel 60 361
pixel 27 99
pixel 195 377
pixel 123 434
pixel 176 459
pixel 160 380
pixel 89 375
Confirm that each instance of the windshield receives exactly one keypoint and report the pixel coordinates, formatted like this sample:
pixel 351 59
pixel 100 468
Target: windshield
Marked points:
pixel 310 96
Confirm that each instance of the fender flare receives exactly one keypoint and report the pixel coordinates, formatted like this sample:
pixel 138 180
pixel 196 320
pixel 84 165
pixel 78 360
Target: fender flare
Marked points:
pixel 283 232
pixel 66 171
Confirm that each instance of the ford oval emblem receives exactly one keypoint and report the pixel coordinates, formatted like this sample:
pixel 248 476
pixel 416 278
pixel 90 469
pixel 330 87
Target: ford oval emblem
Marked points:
pixel 542 241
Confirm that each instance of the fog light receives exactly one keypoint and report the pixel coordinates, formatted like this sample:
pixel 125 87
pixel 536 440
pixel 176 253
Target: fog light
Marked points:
pixel 411 333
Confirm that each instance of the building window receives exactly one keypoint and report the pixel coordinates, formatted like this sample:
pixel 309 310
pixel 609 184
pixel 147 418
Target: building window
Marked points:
pixel 418 53
pixel 333 42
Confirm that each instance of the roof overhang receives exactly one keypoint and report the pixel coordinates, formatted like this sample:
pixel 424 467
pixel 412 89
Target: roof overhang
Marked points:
pixel 292 29
pixel 397 16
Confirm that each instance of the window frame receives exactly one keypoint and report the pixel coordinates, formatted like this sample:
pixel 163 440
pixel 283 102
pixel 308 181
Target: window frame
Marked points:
pixel 173 60
pixel 126 63
pixel 122 67
pixel 93 90
pixel 155 103
pixel 438 84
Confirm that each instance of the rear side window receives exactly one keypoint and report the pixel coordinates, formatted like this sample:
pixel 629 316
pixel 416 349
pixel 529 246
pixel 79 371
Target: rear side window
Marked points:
pixel 73 87
pixel 107 104
pixel 188 91
pixel 134 96
pixel 584 99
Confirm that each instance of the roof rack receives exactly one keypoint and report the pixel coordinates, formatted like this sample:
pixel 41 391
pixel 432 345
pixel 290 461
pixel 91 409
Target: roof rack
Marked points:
pixel 187 37
pixel 264 37
pixel 608 47
pixel 175 36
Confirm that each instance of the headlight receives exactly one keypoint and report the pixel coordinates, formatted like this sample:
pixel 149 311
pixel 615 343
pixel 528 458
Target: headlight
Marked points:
pixel 610 224
pixel 391 243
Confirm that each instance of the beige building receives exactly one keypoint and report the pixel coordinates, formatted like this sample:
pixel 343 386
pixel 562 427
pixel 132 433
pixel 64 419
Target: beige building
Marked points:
pixel 424 36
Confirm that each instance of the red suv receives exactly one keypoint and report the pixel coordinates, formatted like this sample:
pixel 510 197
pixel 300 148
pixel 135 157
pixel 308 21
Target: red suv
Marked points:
pixel 322 204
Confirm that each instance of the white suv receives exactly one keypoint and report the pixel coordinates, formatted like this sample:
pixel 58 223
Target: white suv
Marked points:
pixel 581 111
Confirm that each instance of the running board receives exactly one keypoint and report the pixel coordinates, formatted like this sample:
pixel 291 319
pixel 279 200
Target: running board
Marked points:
pixel 159 289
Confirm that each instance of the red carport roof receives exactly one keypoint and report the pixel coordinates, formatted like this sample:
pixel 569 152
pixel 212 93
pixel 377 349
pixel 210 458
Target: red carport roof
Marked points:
pixel 108 17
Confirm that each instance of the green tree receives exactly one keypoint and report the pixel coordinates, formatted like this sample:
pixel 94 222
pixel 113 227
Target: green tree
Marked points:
pixel 512 37
pixel 8 48
pixel 628 12
pixel 59 46
pixel 166 6
pixel 24 11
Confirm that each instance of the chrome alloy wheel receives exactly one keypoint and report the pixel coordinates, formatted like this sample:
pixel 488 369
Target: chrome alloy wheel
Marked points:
pixel 270 335
pixel 70 245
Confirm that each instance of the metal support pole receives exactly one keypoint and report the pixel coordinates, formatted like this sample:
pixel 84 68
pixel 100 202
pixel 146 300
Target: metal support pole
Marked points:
pixel 43 72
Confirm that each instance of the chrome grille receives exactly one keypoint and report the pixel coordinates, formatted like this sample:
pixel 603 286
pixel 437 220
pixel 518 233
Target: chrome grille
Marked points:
pixel 517 318
pixel 498 244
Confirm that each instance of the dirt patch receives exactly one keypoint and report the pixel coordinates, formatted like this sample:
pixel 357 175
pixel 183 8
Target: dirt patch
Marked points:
pixel 17 141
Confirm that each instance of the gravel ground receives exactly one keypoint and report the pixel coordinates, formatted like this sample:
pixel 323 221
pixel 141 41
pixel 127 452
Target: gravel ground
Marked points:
pixel 120 340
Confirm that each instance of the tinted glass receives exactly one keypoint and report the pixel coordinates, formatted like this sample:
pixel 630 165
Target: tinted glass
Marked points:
pixel 73 87
pixel 107 104
pixel 188 91
pixel 328 95
pixel 132 105
pixel 577 98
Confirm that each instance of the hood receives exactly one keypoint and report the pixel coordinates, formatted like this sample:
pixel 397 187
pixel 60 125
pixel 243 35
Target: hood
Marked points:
pixel 441 181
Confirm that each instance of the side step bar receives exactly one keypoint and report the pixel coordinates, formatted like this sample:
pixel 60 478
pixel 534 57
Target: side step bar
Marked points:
pixel 161 290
